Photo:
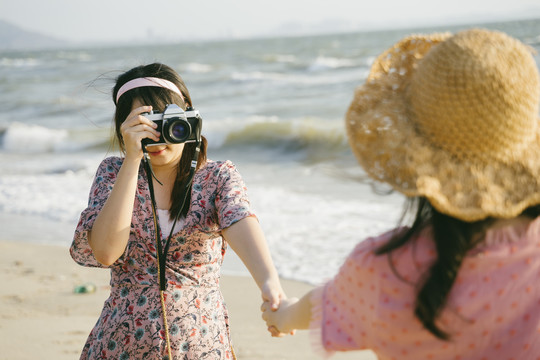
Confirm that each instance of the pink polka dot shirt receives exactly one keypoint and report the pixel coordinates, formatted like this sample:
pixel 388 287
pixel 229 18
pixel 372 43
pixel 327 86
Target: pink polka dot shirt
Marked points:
pixel 493 310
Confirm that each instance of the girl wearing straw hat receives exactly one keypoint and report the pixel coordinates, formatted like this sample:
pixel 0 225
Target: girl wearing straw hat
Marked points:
pixel 451 121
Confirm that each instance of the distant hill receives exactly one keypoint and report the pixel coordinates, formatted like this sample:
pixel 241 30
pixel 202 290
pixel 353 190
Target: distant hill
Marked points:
pixel 13 37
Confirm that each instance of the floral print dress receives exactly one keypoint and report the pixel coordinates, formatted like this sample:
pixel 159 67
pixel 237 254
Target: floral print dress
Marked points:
pixel 131 323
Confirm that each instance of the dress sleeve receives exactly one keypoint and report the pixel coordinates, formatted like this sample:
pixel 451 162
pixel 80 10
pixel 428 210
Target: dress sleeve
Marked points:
pixel 232 201
pixel 103 183
pixel 341 307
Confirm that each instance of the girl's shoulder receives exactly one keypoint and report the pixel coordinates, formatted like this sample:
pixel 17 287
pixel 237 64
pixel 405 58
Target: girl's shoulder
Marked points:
pixel 510 237
pixel 112 161
pixel 217 164
pixel 216 167
pixel 109 166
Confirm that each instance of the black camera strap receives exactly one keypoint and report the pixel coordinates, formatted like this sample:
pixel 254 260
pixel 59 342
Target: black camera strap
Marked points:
pixel 161 256
pixel 162 252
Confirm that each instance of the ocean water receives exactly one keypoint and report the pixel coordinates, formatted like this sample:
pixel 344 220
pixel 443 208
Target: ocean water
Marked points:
pixel 275 107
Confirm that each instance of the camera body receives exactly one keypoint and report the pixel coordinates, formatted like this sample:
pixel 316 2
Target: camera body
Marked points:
pixel 175 125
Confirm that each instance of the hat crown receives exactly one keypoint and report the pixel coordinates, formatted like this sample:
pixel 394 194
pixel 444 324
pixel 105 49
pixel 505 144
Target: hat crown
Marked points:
pixel 475 94
pixel 454 119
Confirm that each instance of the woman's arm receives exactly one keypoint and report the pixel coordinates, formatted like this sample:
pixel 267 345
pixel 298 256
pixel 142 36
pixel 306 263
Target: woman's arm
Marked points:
pixel 248 242
pixel 110 233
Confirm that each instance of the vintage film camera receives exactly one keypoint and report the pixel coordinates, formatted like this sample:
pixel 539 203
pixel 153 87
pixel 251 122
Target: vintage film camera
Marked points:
pixel 175 125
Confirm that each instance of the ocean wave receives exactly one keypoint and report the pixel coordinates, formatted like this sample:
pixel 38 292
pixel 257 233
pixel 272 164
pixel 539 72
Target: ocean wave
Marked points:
pixel 368 61
pixel 19 62
pixel 311 136
pixel 301 78
pixel 83 56
pixel 314 139
pixel 318 70
pixel 197 68
pixel 22 138
pixel 254 76
pixel 323 63
pixel 28 139
pixel 320 63
pixel 52 196
pixel 280 58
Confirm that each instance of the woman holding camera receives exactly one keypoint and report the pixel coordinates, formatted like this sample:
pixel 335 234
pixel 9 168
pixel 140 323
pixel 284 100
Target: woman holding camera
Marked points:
pixel 163 230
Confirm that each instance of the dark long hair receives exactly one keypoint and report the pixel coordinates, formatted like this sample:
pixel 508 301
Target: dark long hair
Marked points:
pixel 453 239
pixel 159 97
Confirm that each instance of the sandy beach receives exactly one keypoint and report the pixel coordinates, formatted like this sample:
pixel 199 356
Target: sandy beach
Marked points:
pixel 42 318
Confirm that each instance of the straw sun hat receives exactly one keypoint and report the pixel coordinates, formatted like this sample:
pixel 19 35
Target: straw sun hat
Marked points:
pixel 453 119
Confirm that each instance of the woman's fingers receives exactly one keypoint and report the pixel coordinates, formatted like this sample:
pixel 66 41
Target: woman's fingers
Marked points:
pixel 140 110
pixel 265 307
pixel 135 117
pixel 134 134
pixel 137 127
pixel 145 130
pixel 134 120
pixel 275 332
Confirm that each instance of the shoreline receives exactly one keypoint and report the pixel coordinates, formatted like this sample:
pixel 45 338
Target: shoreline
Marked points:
pixel 40 313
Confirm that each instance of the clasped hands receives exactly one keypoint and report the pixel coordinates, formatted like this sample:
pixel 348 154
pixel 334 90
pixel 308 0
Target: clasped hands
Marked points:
pixel 277 317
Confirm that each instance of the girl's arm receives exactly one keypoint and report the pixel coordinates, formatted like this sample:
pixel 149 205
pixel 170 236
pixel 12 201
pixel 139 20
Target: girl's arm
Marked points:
pixel 293 314
pixel 247 240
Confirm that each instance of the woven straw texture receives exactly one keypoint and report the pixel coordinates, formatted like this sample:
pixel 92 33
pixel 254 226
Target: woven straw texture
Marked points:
pixel 454 119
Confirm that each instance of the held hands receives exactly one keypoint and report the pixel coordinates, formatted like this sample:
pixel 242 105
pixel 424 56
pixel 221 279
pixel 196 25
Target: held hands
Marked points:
pixel 277 320
pixel 273 296
pixel 247 239
pixel 135 128
pixel 272 293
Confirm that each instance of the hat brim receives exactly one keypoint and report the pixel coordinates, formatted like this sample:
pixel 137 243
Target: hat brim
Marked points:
pixel 391 150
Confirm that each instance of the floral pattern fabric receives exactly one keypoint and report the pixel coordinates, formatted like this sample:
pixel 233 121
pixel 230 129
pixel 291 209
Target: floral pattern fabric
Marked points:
pixel 131 322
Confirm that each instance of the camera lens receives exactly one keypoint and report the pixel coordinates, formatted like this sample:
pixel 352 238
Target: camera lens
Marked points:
pixel 178 130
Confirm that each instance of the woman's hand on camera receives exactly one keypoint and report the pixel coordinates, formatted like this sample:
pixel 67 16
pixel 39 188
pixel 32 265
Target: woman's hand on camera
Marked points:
pixel 135 128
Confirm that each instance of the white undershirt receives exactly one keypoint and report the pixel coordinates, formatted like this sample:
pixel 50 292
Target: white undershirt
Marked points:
pixel 165 223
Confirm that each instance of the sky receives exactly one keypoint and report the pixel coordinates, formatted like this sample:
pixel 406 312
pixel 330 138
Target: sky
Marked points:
pixel 136 20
